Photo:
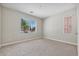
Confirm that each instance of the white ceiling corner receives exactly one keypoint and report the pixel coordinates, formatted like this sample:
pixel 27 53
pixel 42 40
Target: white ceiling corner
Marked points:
pixel 41 10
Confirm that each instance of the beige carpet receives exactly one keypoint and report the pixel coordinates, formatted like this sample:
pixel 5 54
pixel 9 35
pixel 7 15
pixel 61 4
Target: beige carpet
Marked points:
pixel 41 47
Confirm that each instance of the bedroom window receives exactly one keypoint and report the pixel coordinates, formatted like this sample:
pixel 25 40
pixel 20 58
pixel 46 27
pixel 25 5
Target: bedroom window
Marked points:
pixel 28 25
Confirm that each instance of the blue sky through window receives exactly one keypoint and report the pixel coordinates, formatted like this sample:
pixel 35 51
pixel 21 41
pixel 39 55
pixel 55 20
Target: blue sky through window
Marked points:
pixel 32 23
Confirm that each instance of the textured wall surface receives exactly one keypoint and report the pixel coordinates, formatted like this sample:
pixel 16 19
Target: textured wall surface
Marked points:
pixel 54 27
pixel 12 26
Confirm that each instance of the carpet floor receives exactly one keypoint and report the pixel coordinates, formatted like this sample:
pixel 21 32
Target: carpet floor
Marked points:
pixel 39 47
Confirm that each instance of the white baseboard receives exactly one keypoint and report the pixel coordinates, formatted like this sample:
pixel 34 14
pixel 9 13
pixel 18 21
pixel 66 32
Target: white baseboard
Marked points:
pixel 63 41
pixel 19 41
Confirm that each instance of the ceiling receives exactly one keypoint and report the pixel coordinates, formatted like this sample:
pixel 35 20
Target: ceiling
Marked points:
pixel 41 10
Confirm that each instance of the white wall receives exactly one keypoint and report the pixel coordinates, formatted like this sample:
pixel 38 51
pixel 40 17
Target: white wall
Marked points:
pixel 11 26
pixel 78 26
pixel 0 25
pixel 54 27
